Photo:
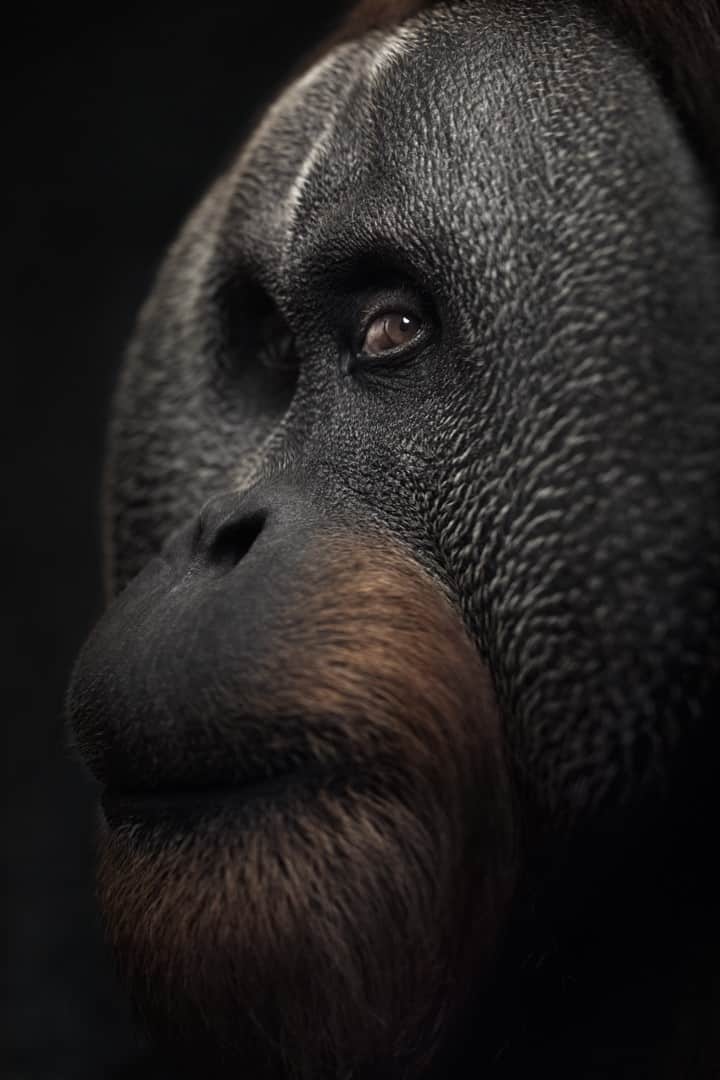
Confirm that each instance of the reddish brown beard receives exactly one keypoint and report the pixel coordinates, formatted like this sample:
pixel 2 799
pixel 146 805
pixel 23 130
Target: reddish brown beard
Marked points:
pixel 337 924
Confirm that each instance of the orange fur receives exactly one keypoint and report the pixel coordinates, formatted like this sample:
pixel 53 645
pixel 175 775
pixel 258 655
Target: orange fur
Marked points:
pixel 344 924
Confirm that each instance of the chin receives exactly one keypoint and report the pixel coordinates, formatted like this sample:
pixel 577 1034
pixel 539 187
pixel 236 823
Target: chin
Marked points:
pixel 307 927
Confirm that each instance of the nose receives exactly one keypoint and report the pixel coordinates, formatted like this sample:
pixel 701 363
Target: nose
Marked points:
pixel 271 520
pixel 186 645
pixel 227 528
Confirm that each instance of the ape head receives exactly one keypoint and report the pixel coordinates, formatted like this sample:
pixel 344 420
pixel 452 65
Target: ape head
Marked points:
pixel 413 515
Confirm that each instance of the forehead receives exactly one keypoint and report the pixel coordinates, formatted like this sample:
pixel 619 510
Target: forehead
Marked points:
pixel 464 123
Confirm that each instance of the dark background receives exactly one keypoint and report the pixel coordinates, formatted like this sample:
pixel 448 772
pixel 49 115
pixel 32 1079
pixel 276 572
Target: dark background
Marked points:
pixel 115 125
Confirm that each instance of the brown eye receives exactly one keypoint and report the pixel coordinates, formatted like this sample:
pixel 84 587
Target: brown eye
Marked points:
pixel 390 331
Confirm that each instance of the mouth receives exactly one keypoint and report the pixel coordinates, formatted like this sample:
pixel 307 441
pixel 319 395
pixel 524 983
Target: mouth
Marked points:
pixel 183 809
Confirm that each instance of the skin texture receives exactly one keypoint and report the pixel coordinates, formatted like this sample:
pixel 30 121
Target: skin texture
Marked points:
pixel 449 615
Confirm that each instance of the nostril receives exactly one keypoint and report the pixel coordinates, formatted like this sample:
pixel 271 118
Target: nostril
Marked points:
pixel 234 539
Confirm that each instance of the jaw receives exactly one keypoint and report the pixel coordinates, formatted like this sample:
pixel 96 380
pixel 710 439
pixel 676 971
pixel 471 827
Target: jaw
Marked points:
pixel 302 929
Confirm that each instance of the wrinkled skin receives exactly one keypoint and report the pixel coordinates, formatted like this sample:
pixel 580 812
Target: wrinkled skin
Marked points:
pixel 534 482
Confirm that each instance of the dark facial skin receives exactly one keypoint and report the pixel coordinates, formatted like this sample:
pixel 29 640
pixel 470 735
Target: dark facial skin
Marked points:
pixel 418 444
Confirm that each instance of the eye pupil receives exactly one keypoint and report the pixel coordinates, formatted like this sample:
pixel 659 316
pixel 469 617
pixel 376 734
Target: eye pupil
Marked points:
pixel 390 331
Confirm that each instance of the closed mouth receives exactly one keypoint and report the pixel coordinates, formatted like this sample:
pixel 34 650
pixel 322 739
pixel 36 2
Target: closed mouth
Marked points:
pixel 185 807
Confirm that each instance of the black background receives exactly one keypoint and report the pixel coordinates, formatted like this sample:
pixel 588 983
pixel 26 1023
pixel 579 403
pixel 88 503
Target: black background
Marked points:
pixel 114 126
